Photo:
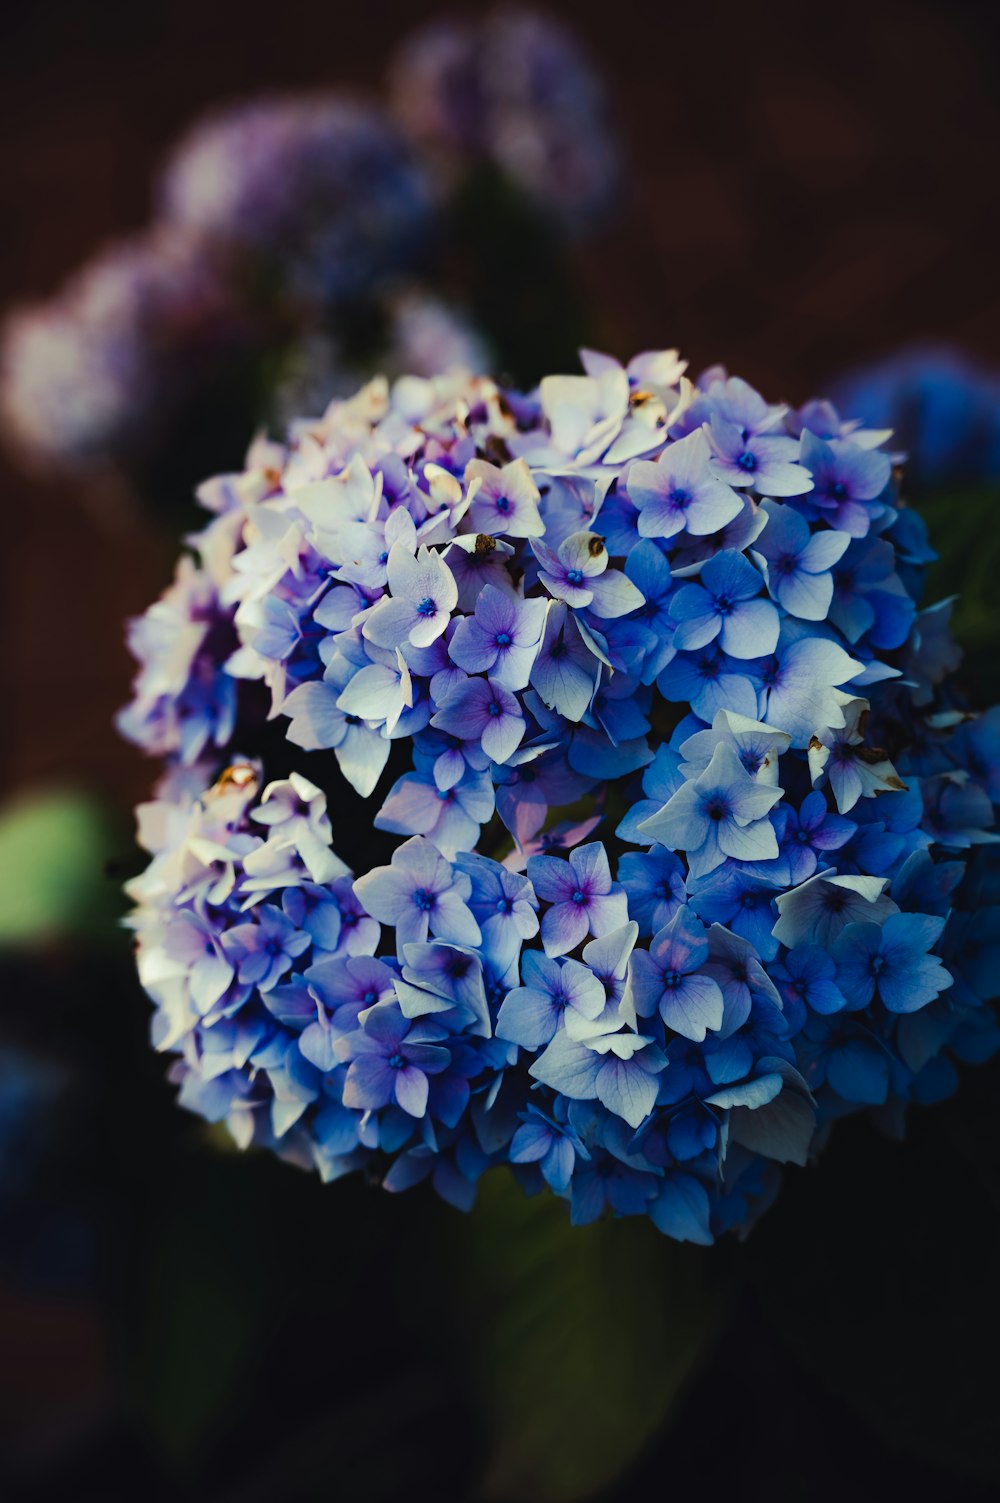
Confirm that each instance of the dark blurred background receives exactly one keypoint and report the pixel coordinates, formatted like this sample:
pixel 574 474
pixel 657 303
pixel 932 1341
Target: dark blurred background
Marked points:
pixel 812 188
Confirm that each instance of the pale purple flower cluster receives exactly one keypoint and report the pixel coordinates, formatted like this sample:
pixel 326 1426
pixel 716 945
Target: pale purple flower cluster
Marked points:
pixel 273 215
pixel 89 377
pixel 298 245
pixel 319 193
pixel 516 90
pixel 695 839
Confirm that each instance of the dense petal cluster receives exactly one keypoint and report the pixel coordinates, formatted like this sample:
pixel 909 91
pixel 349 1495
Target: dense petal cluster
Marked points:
pixel 695 839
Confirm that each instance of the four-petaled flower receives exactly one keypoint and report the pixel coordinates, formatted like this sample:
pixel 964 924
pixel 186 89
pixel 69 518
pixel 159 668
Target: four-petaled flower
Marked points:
pixel 577 572
pixel 892 960
pixel 531 1013
pixel 847 481
pixel 582 897
pixel 390 1060
pixel 724 606
pixel 722 813
pixel 669 978
pixel 484 711
pixel 680 492
pixel 423 595
pixel 420 891
pixel 505 500
pixel 501 638
pixel 799 561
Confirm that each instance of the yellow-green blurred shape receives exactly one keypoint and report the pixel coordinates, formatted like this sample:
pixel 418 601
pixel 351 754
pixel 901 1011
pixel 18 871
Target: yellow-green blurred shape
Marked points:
pixel 54 846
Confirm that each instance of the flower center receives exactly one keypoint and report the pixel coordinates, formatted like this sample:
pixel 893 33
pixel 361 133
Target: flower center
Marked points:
pixel 494 709
pixel 574 576
pixel 426 607
pixel 396 1061
pixel 423 899
pixel 747 461
pixel 502 639
pixel 579 897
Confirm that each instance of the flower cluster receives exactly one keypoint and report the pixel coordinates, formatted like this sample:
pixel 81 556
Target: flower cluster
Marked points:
pixel 943 409
pixel 318 193
pixel 93 374
pixel 302 241
pixel 271 215
pixel 513 89
pixel 694 835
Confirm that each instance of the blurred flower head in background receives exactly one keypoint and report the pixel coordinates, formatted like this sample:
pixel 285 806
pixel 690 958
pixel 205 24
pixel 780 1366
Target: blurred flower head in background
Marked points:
pixel 515 90
pixel 942 407
pixel 321 195
pixel 303 241
pixel 90 378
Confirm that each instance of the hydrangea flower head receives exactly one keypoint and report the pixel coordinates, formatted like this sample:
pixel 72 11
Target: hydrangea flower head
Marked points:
pixel 96 372
pixel 682 796
pixel 321 186
pixel 516 90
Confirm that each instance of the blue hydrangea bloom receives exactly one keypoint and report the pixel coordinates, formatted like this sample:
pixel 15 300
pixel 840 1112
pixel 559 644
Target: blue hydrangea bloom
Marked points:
pixel 697 848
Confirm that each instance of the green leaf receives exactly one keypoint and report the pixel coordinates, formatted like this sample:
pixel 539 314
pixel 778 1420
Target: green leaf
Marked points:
pixel 587 1335
pixel 53 883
